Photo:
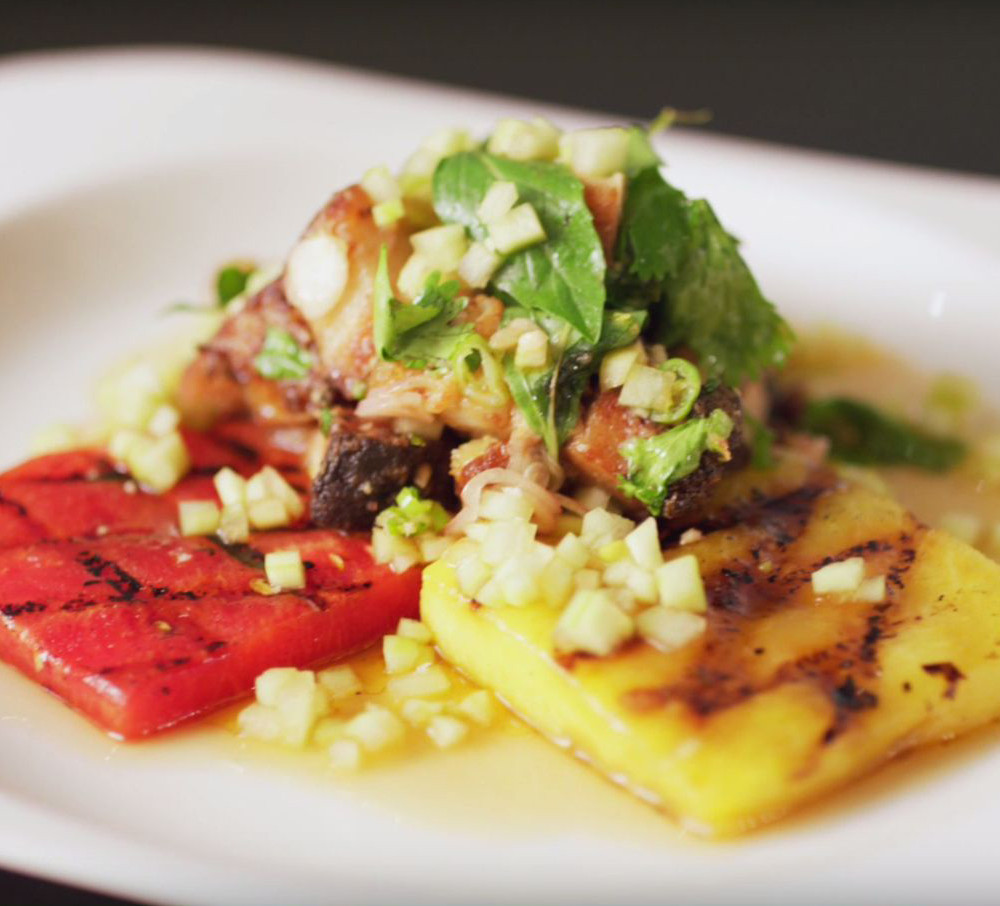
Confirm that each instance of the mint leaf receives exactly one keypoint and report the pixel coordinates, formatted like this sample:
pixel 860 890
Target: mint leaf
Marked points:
pixel 655 233
pixel 655 463
pixel 563 276
pixel 861 434
pixel 713 305
pixel 421 333
pixel 282 358
pixel 549 398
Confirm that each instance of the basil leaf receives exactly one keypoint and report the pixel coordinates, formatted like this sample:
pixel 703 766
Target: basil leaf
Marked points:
pixel 282 358
pixel 420 333
pixel 563 276
pixel 861 434
pixel 549 398
pixel 230 282
pixel 655 463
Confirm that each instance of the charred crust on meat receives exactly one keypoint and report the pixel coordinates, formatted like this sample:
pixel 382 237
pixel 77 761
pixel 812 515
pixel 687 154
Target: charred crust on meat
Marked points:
pixel 689 494
pixel 366 464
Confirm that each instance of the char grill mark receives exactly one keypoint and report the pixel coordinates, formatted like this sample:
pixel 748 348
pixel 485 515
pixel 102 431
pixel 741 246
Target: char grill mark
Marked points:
pixel 742 597
pixel 101 602
pixel 366 464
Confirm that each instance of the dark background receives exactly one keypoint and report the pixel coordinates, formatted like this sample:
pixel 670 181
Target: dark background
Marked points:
pixel 916 82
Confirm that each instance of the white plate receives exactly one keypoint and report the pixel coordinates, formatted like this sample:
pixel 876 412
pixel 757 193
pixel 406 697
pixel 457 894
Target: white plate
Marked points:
pixel 126 177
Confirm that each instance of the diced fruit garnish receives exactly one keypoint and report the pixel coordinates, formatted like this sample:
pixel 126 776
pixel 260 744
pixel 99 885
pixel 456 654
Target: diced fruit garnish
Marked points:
pixel 158 463
pixel 295 698
pixel 441 247
pixel 414 629
pixel 234 524
pixel 269 513
pixel 679 584
pixel 270 483
pixel 572 549
pixel 643 544
pixel 164 420
pixel 340 681
pixel 616 365
pixel 870 591
pixel 669 628
pixel 285 570
pixel 595 153
pixel 376 728
pixel 230 486
pixel 521 140
pixel 413 276
pixel 601 527
pixel 592 624
pixel 198 517
pixel 499 505
pixel 646 387
pixel 427 682
pixel 498 200
pixel 478 265
pixel 478 706
pixel 403 655
pixel 841 577
pixel 518 229
pixel 419 711
pixel 381 185
pixel 445 731
pixel 386 213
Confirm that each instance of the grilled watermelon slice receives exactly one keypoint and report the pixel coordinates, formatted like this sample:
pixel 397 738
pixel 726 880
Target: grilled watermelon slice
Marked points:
pixel 139 629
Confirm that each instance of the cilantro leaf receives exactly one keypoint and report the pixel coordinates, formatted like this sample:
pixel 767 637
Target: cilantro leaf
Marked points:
pixel 420 333
pixel 861 434
pixel 282 358
pixel 562 276
pixel 713 305
pixel 549 398
pixel 655 463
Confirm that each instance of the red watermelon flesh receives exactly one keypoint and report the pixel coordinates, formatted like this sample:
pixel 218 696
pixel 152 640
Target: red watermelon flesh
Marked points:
pixel 103 603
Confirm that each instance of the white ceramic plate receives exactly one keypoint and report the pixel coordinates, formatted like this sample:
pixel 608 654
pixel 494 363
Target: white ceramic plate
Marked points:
pixel 124 179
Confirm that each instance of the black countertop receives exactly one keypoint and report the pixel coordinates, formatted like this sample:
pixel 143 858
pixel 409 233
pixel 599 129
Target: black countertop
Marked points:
pixel 915 82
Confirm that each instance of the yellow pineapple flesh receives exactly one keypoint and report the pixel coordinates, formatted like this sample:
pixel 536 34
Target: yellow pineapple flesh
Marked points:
pixel 787 695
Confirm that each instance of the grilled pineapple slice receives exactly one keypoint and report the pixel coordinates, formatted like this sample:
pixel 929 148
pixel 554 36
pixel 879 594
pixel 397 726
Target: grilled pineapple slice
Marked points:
pixel 787 695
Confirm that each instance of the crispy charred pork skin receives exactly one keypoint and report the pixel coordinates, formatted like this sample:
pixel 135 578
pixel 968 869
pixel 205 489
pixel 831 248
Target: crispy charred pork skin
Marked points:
pixel 592 452
pixel 223 380
pixel 366 464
